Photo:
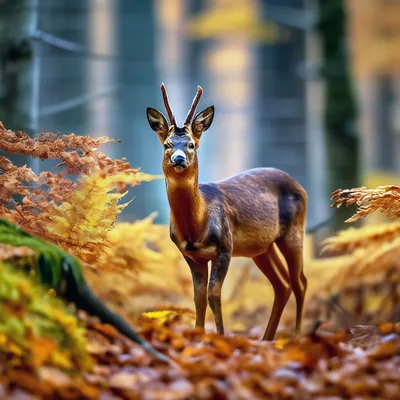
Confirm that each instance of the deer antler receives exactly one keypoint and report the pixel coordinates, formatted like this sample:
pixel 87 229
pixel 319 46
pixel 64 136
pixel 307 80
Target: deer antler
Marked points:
pixel 167 106
pixel 195 103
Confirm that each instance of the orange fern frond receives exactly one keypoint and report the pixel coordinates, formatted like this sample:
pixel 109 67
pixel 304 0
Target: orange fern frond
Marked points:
pixel 14 180
pixel 384 199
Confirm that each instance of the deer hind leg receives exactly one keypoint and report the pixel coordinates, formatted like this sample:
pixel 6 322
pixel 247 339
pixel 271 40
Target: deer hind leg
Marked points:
pixel 291 246
pixel 274 269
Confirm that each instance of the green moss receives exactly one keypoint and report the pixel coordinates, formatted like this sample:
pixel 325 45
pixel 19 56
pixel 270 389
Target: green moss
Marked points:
pixel 51 262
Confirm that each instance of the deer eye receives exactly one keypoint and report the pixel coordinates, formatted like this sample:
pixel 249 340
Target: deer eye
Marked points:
pixel 191 145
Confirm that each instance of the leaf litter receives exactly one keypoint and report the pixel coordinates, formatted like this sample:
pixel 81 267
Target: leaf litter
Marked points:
pixel 362 363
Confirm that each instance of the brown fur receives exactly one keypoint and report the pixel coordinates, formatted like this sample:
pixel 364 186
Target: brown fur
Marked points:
pixel 257 213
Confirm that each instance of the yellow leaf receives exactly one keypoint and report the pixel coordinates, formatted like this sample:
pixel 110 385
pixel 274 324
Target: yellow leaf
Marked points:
pixel 13 348
pixel 280 344
pixel 61 360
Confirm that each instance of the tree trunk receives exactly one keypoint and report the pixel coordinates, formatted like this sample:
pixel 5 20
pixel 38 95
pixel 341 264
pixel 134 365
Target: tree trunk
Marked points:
pixel 340 106
pixel 16 66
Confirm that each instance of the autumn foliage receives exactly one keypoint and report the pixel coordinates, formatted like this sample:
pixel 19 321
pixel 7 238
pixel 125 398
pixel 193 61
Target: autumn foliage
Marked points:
pixel 360 272
pixel 36 328
pixel 374 249
pixel 384 199
pixel 76 215
pixel 49 352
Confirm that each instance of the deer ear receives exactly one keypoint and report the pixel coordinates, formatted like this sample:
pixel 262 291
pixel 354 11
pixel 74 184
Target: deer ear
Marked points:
pixel 157 122
pixel 202 121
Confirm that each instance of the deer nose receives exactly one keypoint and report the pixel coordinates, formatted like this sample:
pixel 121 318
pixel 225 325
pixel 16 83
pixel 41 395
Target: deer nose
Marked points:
pixel 178 159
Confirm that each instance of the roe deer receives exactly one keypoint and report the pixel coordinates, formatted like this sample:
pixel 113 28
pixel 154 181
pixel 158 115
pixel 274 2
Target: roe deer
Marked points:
pixel 251 214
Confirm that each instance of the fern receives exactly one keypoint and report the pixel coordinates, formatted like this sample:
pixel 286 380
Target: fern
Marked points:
pixel 76 216
pixel 384 199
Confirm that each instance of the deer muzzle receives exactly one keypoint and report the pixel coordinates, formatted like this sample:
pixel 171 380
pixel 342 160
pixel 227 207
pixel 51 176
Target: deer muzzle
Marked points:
pixel 178 159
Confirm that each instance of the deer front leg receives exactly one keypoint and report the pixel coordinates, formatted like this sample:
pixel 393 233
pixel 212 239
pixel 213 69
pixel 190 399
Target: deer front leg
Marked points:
pixel 200 278
pixel 219 269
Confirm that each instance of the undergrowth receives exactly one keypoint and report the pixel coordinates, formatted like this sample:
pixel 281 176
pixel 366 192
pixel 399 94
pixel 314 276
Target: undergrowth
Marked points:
pixel 37 328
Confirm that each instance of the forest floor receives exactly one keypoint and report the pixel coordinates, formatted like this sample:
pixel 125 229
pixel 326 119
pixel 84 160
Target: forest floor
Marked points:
pixel 360 363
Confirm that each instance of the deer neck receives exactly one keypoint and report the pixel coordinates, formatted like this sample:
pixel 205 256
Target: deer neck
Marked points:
pixel 187 207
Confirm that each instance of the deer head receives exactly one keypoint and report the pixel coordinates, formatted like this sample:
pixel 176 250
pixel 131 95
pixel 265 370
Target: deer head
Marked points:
pixel 180 144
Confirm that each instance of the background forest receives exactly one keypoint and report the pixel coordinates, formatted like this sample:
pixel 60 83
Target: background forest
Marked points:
pixel 307 86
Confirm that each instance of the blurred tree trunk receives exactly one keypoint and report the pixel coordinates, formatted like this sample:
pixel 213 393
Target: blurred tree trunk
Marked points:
pixel 340 105
pixel 15 66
